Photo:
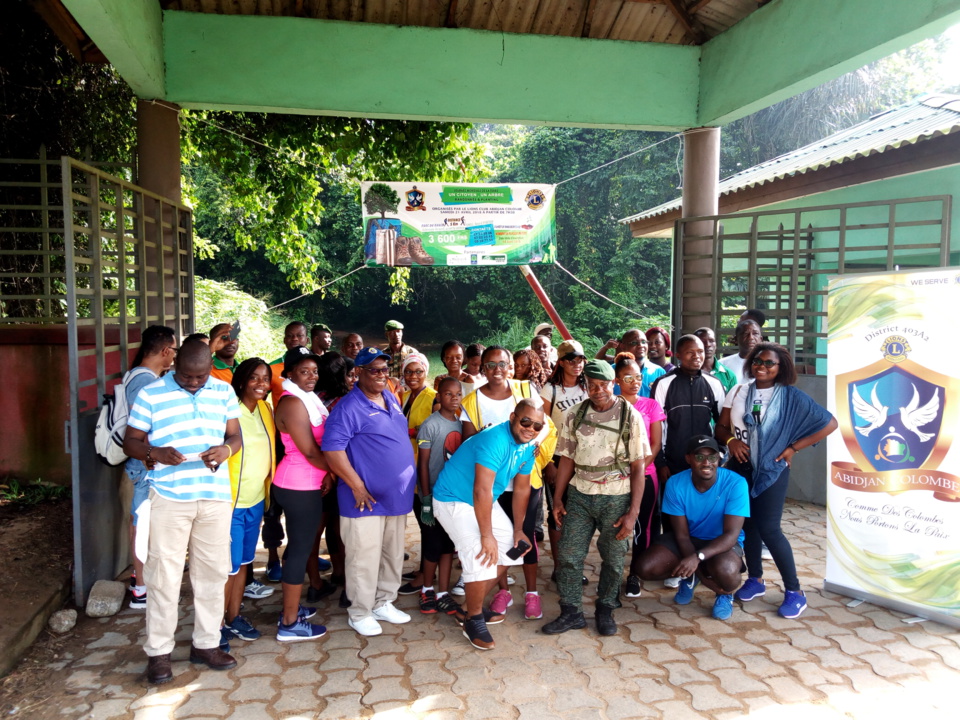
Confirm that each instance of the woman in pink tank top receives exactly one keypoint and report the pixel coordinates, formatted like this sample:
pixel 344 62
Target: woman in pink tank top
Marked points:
pixel 298 486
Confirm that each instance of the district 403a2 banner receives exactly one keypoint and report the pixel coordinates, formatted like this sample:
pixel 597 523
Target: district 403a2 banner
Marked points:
pixel 893 494
pixel 458 224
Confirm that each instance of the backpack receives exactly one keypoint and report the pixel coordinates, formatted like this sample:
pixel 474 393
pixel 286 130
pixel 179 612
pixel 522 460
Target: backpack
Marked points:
pixel 112 422
pixel 623 436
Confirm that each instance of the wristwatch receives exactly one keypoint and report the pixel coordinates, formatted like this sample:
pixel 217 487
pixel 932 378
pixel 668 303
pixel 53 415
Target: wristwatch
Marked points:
pixel 701 556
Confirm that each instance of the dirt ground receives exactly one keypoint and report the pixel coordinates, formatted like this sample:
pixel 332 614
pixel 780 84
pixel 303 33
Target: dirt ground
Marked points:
pixel 36 543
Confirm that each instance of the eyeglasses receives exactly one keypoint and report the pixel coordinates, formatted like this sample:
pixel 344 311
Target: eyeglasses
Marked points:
pixel 757 362
pixel 417 373
pixel 570 357
pixel 378 371
pixel 527 422
pixel 630 378
pixel 711 459
pixel 494 365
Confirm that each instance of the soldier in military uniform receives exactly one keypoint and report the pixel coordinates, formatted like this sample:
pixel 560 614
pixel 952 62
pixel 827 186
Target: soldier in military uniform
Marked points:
pixel 604 450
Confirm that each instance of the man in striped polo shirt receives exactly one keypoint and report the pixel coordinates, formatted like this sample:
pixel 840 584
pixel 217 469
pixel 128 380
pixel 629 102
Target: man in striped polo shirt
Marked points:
pixel 184 427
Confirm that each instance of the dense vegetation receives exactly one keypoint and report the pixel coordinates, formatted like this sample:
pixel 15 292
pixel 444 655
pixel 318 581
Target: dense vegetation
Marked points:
pixel 278 206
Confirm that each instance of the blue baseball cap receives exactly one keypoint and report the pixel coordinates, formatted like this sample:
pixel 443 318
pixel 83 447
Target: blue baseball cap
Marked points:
pixel 368 354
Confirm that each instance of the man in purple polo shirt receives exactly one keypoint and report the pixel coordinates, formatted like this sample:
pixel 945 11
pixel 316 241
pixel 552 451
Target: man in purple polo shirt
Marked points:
pixel 367 446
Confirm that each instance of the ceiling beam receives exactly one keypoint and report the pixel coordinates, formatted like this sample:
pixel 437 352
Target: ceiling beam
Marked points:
pixel 130 34
pixel 785 48
pixel 697 7
pixel 326 67
pixel 694 32
pixel 588 18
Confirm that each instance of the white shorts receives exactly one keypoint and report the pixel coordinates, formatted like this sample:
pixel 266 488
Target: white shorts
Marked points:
pixel 460 522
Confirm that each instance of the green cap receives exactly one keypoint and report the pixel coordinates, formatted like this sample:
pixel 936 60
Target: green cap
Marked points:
pixel 599 370
pixel 393 325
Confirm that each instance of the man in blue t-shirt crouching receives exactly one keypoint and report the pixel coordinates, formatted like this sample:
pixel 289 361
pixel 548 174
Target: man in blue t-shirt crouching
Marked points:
pixel 706 506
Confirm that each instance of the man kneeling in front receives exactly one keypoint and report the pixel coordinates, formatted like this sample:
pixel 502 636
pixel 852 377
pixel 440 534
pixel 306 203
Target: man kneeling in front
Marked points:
pixel 706 506
pixel 465 504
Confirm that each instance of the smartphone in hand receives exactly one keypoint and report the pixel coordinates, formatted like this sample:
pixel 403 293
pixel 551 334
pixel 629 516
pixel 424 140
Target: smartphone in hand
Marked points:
pixel 515 552
pixel 235 330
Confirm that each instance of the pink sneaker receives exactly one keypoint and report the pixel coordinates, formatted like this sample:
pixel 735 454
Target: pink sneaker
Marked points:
pixel 501 601
pixel 532 609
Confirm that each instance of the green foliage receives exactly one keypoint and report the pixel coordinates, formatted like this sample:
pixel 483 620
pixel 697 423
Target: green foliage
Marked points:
pixel 265 175
pixel 261 330
pixel 36 492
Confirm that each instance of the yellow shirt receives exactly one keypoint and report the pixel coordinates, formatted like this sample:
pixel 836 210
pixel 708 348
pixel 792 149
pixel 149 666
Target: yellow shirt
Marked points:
pixel 420 410
pixel 251 467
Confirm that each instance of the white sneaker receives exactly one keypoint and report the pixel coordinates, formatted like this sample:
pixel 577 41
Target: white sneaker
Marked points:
pixel 388 613
pixel 510 580
pixel 458 588
pixel 765 552
pixel 365 626
pixel 673 582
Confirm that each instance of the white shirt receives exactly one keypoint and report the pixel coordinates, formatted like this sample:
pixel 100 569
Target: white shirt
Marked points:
pixel 736 364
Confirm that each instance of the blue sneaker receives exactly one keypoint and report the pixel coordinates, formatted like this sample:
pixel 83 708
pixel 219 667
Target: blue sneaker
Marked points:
pixel 242 628
pixel 300 630
pixel 225 636
pixel 794 603
pixel 685 590
pixel 752 588
pixel 723 607
pixel 274 572
pixel 324 565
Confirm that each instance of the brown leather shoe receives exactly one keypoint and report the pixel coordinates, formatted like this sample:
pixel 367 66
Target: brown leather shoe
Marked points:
pixel 214 658
pixel 158 669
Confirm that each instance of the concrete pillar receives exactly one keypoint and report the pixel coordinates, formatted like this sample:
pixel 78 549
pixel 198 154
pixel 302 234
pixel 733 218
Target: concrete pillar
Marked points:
pixel 158 148
pixel 701 180
pixel 158 170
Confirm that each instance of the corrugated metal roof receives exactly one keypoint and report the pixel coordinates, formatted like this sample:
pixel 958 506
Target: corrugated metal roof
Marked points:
pixel 926 117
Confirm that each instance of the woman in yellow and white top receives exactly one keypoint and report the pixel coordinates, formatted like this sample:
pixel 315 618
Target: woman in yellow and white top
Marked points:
pixel 251 471
pixel 417 398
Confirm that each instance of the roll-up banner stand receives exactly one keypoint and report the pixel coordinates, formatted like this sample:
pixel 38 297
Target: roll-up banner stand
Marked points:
pixel 893 494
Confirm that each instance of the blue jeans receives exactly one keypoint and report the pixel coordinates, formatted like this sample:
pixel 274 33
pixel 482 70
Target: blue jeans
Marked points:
pixel 766 511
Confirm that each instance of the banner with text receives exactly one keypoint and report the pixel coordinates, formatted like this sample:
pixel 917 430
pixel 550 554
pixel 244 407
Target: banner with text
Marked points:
pixel 893 497
pixel 458 224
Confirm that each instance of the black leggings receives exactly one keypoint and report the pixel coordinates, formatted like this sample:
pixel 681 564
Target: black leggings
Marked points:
pixel 302 508
pixel 529 521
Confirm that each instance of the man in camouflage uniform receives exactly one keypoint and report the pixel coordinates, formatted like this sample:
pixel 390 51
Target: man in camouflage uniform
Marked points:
pixel 603 451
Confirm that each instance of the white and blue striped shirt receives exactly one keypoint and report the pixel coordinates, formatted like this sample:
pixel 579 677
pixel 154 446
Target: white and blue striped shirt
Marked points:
pixel 190 423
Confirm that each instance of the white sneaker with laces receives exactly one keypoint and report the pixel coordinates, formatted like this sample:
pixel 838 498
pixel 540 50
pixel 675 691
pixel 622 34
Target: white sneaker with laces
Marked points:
pixel 458 589
pixel 367 626
pixel 256 590
pixel 388 613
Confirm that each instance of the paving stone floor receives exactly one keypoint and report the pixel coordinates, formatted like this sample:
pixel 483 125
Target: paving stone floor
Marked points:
pixel 667 661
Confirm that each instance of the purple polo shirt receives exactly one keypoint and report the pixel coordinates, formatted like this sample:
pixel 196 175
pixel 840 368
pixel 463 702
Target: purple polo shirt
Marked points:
pixel 377 443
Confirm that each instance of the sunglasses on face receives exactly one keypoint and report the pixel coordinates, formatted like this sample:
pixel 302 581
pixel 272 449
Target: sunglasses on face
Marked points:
pixel 711 459
pixel 573 358
pixel 757 362
pixel 378 371
pixel 630 378
pixel 494 365
pixel 527 422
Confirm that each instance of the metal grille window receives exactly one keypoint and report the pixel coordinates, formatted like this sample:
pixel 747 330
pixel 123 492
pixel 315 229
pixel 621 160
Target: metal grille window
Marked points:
pixel 779 261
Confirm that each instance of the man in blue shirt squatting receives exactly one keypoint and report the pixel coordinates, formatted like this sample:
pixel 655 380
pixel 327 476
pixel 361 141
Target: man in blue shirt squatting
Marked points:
pixel 465 504
pixel 706 506
pixel 184 427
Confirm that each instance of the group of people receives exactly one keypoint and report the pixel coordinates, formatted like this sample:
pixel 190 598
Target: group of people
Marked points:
pixel 627 444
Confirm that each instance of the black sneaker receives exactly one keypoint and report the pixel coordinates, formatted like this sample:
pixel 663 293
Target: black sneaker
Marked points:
pixel 408 575
pixel 570 619
pixel 633 586
pixel 447 605
pixel 428 602
pixel 409 589
pixel 138 602
pixel 489 616
pixel 317 594
pixel 475 630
